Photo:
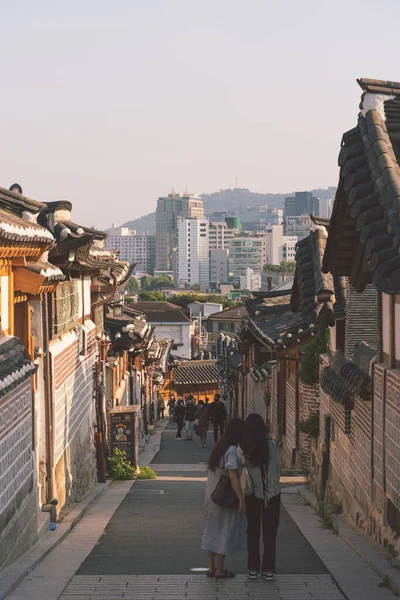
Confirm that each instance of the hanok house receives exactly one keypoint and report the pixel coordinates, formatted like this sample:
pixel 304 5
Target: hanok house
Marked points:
pixel 342 381
pixel 364 245
pixel 147 364
pixel 265 379
pixel 24 274
pixel 72 370
pixel 228 321
pixel 200 378
pixel 171 323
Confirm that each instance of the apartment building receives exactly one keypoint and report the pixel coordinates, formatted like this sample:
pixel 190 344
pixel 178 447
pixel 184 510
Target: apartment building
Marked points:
pixel 247 251
pixel 192 255
pixel 279 247
pixel 169 209
pixel 133 247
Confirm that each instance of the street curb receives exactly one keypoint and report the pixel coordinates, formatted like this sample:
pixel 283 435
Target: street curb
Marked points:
pixel 13 575
pixel 360 545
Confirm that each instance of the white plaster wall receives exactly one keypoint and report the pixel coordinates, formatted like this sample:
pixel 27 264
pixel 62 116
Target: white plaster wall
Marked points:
pixel 385 323
pixel 332 331
pixel 180 333
pixel 86 296
pixel 4 302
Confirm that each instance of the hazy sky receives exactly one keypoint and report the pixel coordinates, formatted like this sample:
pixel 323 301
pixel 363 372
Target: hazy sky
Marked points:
pixel 111 104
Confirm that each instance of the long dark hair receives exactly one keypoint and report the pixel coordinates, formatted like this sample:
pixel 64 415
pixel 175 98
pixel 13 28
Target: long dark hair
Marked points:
pixel 231 437
pixel 255 441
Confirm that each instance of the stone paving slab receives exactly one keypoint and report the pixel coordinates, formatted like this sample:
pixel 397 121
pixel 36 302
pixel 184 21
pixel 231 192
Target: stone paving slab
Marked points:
pixel 182 587
pixel 354 576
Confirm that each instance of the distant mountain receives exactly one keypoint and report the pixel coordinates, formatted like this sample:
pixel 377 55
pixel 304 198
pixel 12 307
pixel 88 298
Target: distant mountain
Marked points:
pixel 236 200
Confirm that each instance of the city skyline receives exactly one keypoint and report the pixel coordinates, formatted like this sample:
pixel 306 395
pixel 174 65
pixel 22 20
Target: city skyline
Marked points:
pixel 105 121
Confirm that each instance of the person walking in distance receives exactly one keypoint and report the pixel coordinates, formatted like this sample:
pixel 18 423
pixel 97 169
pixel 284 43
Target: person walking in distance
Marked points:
pixel 171 405
pixel 262 458
pixel 179 417
pixel 201 423
pixel 190 416
pixel 217 416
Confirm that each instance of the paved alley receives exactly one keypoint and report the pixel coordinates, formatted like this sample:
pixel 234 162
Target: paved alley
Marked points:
pixel 145 546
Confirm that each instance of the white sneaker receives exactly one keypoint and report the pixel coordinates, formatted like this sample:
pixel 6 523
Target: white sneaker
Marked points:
pixel 252 575
pixel 267 576
pixel 178 439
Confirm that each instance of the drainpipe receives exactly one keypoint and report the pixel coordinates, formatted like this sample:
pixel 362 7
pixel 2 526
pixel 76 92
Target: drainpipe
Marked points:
pixel 48 401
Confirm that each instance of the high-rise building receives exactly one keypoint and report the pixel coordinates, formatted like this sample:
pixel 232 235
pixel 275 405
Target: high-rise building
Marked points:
pixel 169 208
pixel 257 217
pixel 279 247
pixel 247 251
pixel 223 231
pixel 302 203
pixel 135 248
pixel 192 256
pixel 297 226
pixel 219 266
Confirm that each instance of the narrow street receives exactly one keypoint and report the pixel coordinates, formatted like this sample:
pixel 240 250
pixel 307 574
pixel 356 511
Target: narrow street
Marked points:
pixel 152 541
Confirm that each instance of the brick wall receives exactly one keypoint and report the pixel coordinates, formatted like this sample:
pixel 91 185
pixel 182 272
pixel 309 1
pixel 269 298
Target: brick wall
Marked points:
pixel 379 379
pixel 392 438
pixel 361 455
pixel 74 416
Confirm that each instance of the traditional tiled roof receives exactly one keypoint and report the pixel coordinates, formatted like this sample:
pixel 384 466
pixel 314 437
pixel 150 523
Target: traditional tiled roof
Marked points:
pixel 15 364
pixel 194 372
pixel 343 379
pixel 278 326
pixel 231 314
pixel 14 201
pixel 316 294
pixel 363 354
pixel 161 312
pixel 273 323
pixel 364 232
pixel 17 229
pixel 46 269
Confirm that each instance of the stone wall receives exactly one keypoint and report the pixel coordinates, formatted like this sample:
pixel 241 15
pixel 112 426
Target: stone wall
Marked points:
pixel 308 403
pixel 18 498
pixel 256 395
pixel 289 441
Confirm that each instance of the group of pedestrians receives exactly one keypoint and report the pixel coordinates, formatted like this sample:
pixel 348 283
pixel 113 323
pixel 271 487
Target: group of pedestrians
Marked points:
pixel 244 468
pixel 197 418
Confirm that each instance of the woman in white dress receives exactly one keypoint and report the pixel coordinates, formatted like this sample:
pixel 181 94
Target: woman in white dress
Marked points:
pixel 225 528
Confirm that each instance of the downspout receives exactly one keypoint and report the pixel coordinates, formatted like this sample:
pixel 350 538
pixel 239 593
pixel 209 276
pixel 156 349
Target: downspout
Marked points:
pixel 48 400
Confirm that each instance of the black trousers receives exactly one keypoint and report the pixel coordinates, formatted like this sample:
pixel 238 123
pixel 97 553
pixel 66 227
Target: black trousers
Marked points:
pixel 221 427
pixel 179 421
pixel 266 519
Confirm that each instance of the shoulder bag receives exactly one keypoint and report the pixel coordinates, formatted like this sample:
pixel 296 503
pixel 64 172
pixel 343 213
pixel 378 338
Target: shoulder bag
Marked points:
pixel 245 480
pixel 224 495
